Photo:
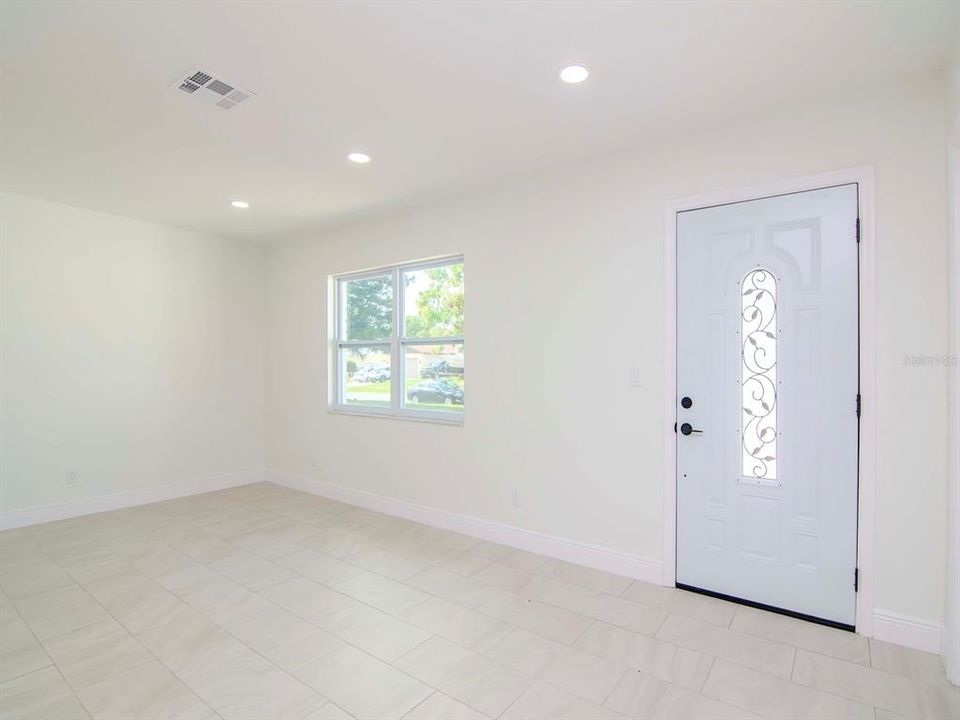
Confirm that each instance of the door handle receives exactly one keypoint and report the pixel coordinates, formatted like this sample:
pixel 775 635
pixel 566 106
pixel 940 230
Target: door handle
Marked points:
pixel 687 429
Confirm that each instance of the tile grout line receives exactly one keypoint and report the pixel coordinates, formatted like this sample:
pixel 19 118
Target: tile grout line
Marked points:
pixel 228 541
pixel 243 518
pixel 706 678
pixel 418 704
pixel 580 588
pixel 36 640
pixel 150 652
pixel 117 620
pixel 916 683
pixel 580 637
pixel 310 622
pixel 626 671
pixel 314 624
pixel 471 575
pixel 432 595
pixel 146 649
pixel 432 564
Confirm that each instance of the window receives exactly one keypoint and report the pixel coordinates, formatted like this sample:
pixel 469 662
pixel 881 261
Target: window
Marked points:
pixel 758 375
pixel 398 336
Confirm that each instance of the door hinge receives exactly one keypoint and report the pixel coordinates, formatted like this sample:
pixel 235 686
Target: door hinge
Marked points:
pixel 858 230
pixel 856 579
pixel 859 404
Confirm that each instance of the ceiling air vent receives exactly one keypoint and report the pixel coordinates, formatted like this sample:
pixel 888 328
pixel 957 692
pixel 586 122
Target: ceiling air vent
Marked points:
pixel 212 90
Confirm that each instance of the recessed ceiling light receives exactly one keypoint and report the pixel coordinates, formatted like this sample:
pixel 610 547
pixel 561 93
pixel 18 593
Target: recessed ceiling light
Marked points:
pixel 359 158
pixel 574 73
pixel 240 203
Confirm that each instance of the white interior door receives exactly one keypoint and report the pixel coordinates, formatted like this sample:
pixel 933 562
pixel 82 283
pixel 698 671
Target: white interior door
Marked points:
pixel 767 401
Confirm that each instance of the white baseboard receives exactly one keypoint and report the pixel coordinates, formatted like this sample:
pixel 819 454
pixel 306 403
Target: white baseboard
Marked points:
pixel 117 501
pixel 600 558
pixel 900 629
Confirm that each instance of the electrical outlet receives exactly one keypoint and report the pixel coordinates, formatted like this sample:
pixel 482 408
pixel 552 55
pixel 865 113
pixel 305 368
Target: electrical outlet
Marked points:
pixel 515 498
pixel 70 478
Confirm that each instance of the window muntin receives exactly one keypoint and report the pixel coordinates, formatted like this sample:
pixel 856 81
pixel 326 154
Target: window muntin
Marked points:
pixel 758 375
pixel 398 335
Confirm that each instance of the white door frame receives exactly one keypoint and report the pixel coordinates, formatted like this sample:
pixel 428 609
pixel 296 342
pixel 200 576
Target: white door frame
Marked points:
pixel 951 637
pixel 865 524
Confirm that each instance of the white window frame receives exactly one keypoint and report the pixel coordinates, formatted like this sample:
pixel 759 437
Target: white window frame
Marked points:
pixel 396 344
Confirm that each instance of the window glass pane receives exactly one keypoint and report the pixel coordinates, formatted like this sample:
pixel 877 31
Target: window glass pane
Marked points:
pixel 433 302
pixel 368 308
pixel 365 376
pixel 434 377
pixel 758 374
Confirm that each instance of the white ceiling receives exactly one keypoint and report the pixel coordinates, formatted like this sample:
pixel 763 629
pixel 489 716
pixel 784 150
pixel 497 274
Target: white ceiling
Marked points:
pixel 444 95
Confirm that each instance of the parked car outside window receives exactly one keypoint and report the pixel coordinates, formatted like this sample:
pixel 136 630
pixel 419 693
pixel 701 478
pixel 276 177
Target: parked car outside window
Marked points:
pixel 436 391
pixel 434 368
pixel 371 374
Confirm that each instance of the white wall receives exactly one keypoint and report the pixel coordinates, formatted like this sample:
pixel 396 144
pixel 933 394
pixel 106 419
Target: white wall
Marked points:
pixel 132 354
pixel 565 295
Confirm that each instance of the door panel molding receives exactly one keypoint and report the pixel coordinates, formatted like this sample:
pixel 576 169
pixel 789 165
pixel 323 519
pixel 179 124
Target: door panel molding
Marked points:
pixel 864 177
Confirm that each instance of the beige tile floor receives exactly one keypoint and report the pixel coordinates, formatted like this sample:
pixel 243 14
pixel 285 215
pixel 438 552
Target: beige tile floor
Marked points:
pixel 261 602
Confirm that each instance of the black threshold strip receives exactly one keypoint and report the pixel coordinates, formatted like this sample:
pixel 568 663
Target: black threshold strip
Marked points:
pixel 769 608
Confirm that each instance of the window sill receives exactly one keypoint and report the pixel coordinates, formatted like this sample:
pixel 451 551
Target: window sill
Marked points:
pixel 408 417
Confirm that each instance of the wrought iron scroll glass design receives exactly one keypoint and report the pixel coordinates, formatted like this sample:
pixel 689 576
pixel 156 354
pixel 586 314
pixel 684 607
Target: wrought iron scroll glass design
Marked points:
pixel 758 374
